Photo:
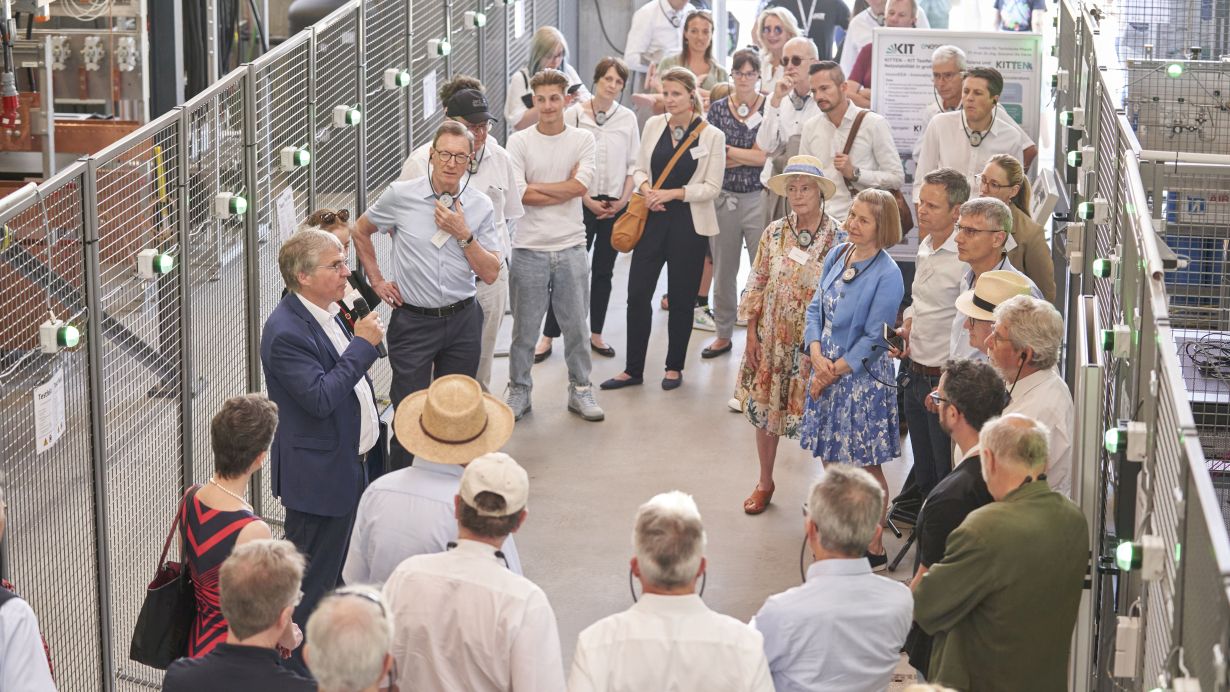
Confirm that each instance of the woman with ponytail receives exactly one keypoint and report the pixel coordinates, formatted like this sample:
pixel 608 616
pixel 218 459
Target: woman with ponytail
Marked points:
pixel 1004 179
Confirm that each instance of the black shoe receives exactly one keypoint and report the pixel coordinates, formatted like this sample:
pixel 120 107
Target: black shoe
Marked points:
pixel 879 563
pixel 605 351
pixel 715 352
pixel 540 357
pixel 616 383
pixel 669 384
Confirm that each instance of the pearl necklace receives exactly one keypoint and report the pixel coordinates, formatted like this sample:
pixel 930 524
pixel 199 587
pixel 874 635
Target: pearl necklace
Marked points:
pixel 214 481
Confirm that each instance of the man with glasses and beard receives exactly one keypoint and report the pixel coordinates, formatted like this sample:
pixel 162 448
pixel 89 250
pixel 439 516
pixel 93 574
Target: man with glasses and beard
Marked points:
pixel 443 235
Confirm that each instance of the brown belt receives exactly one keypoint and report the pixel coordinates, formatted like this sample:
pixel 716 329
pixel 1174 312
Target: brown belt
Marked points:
pixel 925 370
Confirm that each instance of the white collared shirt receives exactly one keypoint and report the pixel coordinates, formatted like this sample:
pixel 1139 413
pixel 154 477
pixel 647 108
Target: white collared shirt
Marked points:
pixel 463 621
pixel 405 513
pixel 945 144
pixel 860 31
pixel 937 283
pixel 1044 397
pixel 328 321
pixel 669 643
pixel 616 142
pixel 652 36
pixel 933 109
pixel 874 153
pixel 780 124
pixel 840 631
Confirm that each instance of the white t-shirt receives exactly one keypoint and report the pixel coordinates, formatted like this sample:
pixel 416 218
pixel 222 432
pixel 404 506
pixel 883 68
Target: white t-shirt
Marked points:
pixel 945 144
pixel 539 158
pixel 616 142
pixel 652 35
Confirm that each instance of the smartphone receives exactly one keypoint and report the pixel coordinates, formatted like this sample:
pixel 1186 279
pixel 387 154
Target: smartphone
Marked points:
pixel 893 338
pixel 528 100
pixel 572 90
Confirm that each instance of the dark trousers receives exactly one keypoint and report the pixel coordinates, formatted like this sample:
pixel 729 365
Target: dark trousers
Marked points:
pixel 422 348
pixel 324 541
pixel 931 445
pixel 671 242
pixel 601 269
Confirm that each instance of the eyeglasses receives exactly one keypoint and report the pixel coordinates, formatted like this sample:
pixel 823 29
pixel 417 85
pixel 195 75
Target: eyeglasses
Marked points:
pixel 338 266
pixel 477 129
pixel 944 76
pixel 794 60
pixel 365 595
pixel 746 74
pixel 326 217
pixel 970 230
pixel 448 156
pixel 981 180
pixel 775 30
pixel 937 399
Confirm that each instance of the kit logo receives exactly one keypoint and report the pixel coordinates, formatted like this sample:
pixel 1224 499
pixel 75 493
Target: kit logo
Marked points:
pixel 900 49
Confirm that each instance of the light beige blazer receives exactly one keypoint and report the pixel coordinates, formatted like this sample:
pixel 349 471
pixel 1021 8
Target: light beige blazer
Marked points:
pixel 706 183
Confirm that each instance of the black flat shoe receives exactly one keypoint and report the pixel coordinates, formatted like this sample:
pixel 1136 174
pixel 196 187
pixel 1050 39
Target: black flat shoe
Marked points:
pixel 540 357
pixel 879 563
pixel 606 351
pixel 615 383
pixel 669 384
pixel 715 352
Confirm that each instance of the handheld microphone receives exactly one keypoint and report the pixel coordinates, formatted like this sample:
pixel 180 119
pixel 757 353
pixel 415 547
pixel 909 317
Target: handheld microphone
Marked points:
pixel 362 310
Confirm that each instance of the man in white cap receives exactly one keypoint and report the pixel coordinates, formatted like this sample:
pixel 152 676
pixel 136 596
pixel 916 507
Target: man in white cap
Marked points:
pixel 410 511
pixel 463 620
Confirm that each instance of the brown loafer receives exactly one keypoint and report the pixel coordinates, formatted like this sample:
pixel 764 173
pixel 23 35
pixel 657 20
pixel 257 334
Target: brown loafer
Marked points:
pixel 758 501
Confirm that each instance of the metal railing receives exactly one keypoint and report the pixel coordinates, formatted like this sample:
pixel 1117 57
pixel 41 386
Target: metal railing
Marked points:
pixel 158 357
pixel 1150 258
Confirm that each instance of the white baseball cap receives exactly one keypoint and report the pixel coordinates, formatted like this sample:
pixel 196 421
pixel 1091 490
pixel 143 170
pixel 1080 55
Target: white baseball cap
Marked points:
pixel 495 473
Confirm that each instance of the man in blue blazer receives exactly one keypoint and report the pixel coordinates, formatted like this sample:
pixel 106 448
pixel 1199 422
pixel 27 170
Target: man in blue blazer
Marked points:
pixel 327 418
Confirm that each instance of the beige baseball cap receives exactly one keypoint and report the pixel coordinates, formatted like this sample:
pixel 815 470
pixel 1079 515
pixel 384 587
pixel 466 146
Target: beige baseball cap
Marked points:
pixel 496 473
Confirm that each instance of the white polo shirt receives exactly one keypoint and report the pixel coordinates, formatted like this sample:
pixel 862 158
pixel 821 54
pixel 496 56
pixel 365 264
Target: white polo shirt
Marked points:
pixel 874 153
pixel 945 144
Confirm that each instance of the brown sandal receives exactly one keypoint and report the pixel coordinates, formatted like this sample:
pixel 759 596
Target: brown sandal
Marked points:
pixel 757 501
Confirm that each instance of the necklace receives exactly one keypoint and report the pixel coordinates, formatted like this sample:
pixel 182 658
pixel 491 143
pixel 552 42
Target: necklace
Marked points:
pixel 673 17
pixel 214 481
pixel 852 272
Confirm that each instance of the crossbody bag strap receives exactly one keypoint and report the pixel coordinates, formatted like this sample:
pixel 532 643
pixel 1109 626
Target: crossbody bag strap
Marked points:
pixel 858 122
pixel 683 146
pixel 183 501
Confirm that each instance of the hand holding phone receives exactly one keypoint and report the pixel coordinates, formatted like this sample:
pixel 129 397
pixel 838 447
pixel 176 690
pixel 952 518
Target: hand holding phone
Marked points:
pixel 892 338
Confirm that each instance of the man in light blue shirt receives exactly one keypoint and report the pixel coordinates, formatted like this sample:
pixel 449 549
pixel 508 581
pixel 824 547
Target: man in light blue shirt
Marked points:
pixel 443 235
pixel 842 630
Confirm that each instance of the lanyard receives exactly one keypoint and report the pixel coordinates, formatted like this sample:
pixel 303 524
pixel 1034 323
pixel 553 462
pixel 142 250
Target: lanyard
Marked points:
pixel 806 19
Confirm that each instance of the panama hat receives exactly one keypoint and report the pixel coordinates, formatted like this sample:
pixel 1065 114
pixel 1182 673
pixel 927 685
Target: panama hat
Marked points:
pixel 808 166
pixel 991 289
pixel 452 421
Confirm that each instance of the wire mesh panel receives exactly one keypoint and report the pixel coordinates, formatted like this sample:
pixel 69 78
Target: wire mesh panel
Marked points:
pixel 387 119
pixel 1206 608
pixel 465 38
pixel 336 158
pixel 1197 214
pixel 1179 106
pixel 214 259
pixel 48 487
pixel 1170 28
pixel 428 71
pixel 138 208
pixel 494 70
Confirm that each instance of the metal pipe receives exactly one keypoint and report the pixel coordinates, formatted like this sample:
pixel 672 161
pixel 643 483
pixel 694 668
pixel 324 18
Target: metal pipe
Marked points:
pixel 49 112
pixel 361 135
pixel 252 267
pixel 186 379
pixel 1183 157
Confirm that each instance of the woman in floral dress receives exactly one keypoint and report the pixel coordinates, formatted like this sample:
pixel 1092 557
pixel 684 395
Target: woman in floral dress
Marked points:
pixel 784 276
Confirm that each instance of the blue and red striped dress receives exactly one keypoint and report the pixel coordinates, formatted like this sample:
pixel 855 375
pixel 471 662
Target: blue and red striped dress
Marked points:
pixel 209 537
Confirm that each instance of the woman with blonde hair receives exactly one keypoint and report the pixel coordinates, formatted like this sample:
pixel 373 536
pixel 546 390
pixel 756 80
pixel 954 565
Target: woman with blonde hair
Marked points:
pixel 773 28
pixel 851 411
pixel 547 49
pixel 681 219
pixel 696 55
pixel 1004 179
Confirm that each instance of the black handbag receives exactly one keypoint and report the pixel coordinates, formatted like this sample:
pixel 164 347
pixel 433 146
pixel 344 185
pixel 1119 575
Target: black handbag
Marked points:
pixel 163 627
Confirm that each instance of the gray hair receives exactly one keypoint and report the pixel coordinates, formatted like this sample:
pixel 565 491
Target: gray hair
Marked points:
pixel 349 636
pixel 301 253
pixel 1016 439
pixel 950 52
pixel 669 540
pixel 257 582
pixel 812 50
pixel 455 129
pixel 1032 323
pixel 954 183
pixel 990 209
pixel 845 507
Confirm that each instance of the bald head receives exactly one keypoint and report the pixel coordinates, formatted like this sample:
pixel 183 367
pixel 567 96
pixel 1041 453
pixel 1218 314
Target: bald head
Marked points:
pixel 801 46
pixel 1018 440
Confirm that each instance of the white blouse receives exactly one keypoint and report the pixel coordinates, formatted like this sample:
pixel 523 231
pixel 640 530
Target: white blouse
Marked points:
pixel 616 140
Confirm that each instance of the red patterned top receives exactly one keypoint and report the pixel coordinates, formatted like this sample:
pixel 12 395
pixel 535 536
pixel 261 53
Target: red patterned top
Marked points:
pixel 209 537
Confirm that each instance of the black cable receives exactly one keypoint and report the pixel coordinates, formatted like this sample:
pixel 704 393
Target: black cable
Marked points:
pixel 602 26
pixel 30 72
pixel 260 27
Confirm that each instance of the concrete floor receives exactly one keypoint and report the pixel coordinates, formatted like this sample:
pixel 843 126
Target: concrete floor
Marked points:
pixel 587 479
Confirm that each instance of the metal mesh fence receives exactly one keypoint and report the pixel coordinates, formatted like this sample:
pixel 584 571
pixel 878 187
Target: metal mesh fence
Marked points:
pixel 335 161
pixel 49 488
pixel 387 119
pixel 428 20
pixel 138 208
pixel 1170 28
pixel 464 59
pixel 1178 106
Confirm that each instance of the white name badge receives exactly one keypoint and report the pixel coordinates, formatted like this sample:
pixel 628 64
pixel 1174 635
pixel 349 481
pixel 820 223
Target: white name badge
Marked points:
pixel 439 239
pixel 698 152
pixel 754 121
pixel 798 255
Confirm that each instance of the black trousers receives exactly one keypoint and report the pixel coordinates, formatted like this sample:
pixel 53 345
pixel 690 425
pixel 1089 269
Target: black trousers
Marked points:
pixel 422 348
pixel 669 240
pixel 601 269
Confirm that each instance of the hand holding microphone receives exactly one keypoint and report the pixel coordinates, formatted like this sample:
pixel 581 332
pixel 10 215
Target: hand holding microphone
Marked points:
pixel 368 326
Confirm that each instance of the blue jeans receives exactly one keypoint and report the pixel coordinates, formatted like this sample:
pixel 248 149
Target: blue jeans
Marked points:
pixel 931 445
pixel 560 278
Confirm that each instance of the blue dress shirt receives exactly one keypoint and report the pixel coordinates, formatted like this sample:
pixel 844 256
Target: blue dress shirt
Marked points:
pixel 841 631
pixel 430 276
pixel 866 304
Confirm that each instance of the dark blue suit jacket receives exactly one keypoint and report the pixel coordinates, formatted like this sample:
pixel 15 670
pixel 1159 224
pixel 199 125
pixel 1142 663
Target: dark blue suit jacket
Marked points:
pixel 314 459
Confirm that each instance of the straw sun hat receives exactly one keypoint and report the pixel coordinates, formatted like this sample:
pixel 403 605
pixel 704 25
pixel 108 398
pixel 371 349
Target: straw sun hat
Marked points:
pixel 452 421
pixel 991 289
pixel 806 166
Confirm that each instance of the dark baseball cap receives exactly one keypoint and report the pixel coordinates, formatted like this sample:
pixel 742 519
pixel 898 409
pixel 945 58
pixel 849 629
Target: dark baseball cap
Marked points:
pixel 470 104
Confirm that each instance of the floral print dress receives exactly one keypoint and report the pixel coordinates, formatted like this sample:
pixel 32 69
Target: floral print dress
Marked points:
pixel 777 294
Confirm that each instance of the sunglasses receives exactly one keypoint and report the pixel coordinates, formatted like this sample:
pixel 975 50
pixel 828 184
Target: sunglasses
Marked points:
pixel 325 217
pixel 794 60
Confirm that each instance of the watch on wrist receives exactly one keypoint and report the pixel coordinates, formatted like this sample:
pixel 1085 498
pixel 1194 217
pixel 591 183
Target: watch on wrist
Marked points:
pixel 857 173
pixel 465 243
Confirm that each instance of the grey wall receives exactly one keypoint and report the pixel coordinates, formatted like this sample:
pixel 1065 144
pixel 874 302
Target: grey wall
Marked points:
pixel 588 45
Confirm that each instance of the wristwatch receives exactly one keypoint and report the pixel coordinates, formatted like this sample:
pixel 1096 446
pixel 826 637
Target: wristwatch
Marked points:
pixel 857 173
pixel 465 243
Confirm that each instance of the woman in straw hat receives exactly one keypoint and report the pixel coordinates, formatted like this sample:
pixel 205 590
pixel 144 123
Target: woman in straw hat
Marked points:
pixel 851 411
pixel 789 260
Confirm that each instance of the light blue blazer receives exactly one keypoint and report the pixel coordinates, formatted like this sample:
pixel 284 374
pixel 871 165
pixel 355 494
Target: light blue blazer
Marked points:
pixel 868 302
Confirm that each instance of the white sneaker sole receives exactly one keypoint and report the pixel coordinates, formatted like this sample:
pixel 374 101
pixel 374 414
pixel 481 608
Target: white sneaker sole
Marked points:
pixel 592 419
